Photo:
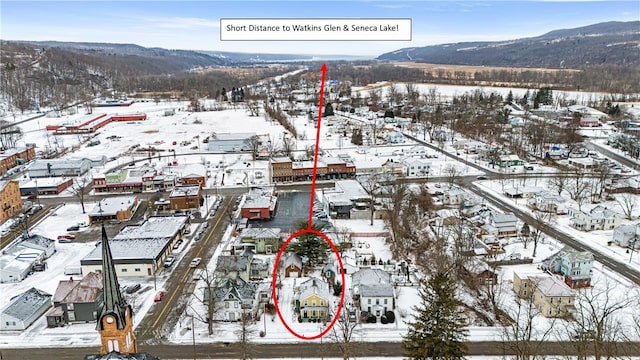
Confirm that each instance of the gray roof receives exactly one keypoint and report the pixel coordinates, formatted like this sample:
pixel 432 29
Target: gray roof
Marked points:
pixel 239 288
pixel 502 218
pixel 58 164
pixel 232 263
pixel 27 304
pixel 382 290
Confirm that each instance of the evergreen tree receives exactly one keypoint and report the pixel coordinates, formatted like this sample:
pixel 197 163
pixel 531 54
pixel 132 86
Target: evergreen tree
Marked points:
pixel 438 331
pixel 510 97
pixel 328 110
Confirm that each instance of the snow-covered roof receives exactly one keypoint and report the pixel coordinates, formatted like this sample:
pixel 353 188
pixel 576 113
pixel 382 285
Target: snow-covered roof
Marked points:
pixel 155 227
pixel 185 191
pixel 27 304
pixel 260 233
pixel 551 286
pixel 314 286
pixel 58 164
pixel 110 206
pixel 129 249
pixel 232 136
pixel 370 277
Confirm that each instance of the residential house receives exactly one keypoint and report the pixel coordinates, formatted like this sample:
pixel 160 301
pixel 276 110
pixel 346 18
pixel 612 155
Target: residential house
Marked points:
pixel 416 166
pixel 575 266
pixel 186 198
pixel 313 301
pixel 551 296
pixel 548 201
pixel 453 196
pixel 75 300
pixel 58 168
pixel 477 270
pixel 394 137
pixel 627 236
pixel 292 265
pixel 372 291
pixel 260 203
pixel 120 208
pixel 10 199
pixel 391 167
pixel 509 160
pixel 24 309
pixel 598 218
pixel 261 240
pixel 243 266
pixel 506 224
pixel 234 298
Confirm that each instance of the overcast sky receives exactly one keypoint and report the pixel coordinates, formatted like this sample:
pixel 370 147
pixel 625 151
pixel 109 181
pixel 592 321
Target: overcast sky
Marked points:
pixel 195 24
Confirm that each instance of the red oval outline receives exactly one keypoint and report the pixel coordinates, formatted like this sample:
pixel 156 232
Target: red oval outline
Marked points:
pixel 275 274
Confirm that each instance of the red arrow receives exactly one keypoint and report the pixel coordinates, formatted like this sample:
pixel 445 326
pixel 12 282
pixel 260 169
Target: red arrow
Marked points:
pixel 315 158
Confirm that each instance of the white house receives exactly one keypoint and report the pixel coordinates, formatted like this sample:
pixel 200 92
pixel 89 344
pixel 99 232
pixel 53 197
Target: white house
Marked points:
pixel 453 196
pixel 548 201
pixel 416 166
pixel 598 218
pixel 372 289
pixel 627 236
pixel 506 224
pixel 394 137
pixel 24 310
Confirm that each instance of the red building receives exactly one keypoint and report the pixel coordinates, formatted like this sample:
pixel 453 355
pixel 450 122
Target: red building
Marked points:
pixel 13 157
pixel 260 203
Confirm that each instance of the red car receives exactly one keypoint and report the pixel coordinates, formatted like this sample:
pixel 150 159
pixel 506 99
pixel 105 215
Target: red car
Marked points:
pixel 159 296
pixel 67 237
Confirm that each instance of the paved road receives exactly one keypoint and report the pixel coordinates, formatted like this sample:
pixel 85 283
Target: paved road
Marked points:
pixel 309 350
pixel 162 316
pixel 619 267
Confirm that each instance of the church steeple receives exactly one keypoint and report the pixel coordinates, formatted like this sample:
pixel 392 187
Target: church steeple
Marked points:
pixel 115 322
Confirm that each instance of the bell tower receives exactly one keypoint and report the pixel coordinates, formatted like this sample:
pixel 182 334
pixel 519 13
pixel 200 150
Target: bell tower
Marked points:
pixel 115 322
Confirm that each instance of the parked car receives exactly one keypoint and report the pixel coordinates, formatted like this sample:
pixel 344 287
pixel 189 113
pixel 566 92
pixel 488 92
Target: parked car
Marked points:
pixel 67 236
pixel 159 296
pixel 132 288
pixel 195 262
pixel 73 228
pixel 176 246
pixel 169 261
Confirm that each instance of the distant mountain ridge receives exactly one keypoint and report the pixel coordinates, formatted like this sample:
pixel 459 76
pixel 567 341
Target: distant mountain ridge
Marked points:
pixel 603 43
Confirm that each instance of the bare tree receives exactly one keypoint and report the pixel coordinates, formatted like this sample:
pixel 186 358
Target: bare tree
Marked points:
pixel 9 135
pixel 343 333
pixel 288 145
pixel 370 184
pixel 245 332
pixel 541 223
pixel 79 190
pixel 523 336
pixel 254 107
pixel 253 143
pixel 599 324
pixel 559 182
pixel 628 203
pixel 343 238
pixel 452 173
pixel 206 297
pixel 578 187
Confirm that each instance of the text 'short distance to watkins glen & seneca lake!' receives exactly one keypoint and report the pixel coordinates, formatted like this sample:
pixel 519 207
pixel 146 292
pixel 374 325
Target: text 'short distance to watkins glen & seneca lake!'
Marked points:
pixel 314 28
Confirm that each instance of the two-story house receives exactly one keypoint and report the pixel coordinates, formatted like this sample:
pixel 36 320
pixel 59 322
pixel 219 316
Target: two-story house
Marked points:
pixel 243 266
pixel 372 291
pixel 548 201
pixel 506 224
pixel 234 298
pixel 416 166
pixel 575 266
pixel 313 301
pixel 627 236
pixel 260 240
pixel 551 296
pixel 598 218
pixel 75 300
